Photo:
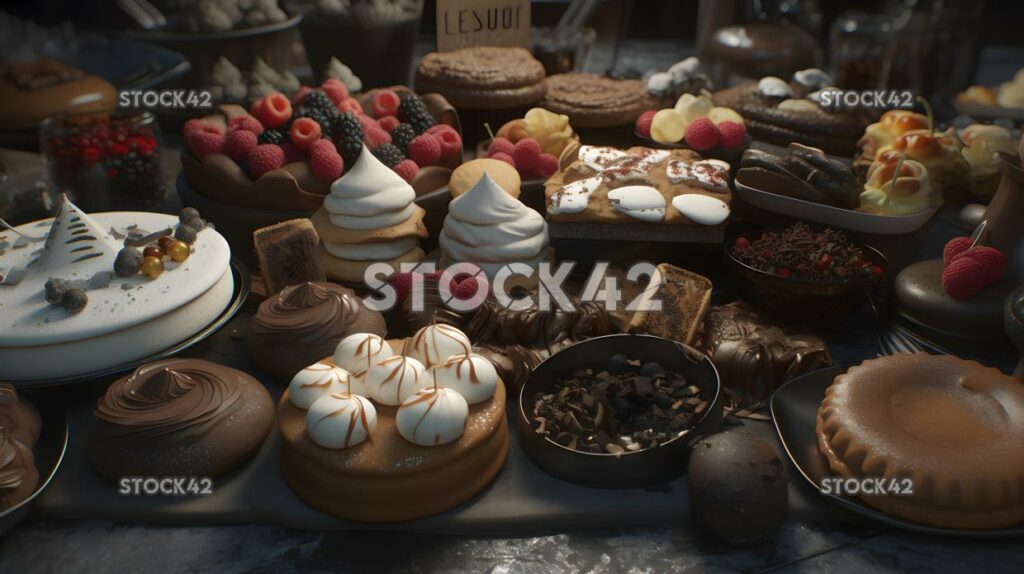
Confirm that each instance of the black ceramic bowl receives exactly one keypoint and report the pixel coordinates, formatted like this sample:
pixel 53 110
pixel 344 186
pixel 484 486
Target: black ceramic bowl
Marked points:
pixel 799 299
pixel 631 469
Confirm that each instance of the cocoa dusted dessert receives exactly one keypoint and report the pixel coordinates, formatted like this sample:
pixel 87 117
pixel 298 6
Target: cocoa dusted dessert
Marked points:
pixel 304 323
pixel 628 407
pixel 593 101
pixel 179 417
pixel 953 429
pixel 755 356
pixel 19 431
pixel 287 254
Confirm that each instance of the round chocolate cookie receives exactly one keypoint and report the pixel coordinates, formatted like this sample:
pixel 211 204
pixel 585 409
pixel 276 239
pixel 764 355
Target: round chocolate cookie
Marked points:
pixel 593 101
pixel 304 323
pixel 483 77
pixel 179 417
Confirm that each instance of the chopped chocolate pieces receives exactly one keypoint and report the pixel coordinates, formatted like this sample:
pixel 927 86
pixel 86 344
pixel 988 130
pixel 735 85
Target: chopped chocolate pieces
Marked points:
pixel 287 254
pixel 617 412
pixel 800 253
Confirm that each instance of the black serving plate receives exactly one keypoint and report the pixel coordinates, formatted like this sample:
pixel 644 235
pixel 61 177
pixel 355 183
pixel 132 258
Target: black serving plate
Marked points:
pixel 632 469
pixel 241 293
pixel 794 408
pixel 48 452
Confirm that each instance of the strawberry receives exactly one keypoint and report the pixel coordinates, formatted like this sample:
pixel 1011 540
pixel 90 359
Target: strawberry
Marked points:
pixel 963 278
pixel 991 259
pixel 702 134
pixel 955 247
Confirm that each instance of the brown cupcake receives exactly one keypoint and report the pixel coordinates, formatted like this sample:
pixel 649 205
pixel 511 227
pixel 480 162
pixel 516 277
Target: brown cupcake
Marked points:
pixel 485 83
pixel 179 417
pixel 593 101
pixel 304 323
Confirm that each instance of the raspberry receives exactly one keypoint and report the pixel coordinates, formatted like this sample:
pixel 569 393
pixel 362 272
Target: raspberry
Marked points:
pixel 388 123
pixel 643 123
pixel 264 158
pixel 300 96
pixel 734 134
pixel 119 149
pixel 702 134
pixel 239 144
pixel 375 136
pixel 963 278
pixel 196 124
pixel 500 145
pixel 292 153
pixel 742 244
pixel 202 142
pixel 273 111
pixel 335 89
pixel 527 156
pixel 955 247
pixel 385 103
pixel 548 165
pixel 502 156
pixel 401 282
pixel 466 289
pixel 425 150
pixel 322 146
pixel 350 105
pixel 406 168
pixel 451 142
pixel 324 161
pixel 991 259
pixel 245 122
pixel 304 132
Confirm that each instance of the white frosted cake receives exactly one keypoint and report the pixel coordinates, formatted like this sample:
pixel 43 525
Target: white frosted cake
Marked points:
pixel 115 317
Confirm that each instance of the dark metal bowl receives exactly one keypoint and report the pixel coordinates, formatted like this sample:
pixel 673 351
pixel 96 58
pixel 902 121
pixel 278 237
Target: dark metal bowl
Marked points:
pixel 631 469
pixel 48 453
pixel 799 299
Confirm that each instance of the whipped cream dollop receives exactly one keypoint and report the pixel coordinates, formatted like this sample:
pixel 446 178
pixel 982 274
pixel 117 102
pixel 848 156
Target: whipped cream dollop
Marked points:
pixel 395 379
pixel 315 381
pixel 432 417
pixel 812 78
pixel 982 145
pixel 340 420
pixel 490 228
pixel 641 202
pixel 472 376
pixel 369 196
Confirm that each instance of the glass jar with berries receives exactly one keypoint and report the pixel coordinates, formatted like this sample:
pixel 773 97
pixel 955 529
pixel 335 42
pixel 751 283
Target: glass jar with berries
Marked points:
pixel 104 161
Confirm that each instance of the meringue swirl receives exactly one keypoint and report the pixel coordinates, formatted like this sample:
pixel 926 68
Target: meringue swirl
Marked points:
pixel 369 196
pixel 168 401
pixel 489 227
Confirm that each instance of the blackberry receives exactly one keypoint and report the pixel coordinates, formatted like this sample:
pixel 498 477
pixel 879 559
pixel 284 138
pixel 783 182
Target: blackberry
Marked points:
pixel 347 134
pixel 326 117
pixel 413 111
pixel 401 136
pixel 388 154
pixel 318 100
pixel 276 137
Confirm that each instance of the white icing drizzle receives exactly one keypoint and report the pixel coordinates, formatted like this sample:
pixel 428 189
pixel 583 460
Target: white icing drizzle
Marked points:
pixel 641 202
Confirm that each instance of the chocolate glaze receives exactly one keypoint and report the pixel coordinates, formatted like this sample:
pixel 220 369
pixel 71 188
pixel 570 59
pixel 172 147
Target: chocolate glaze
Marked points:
pixel 303 323
pixel 19 429
pixel 434 311
pixel 754 356
pixel 179 417
pixel 499 325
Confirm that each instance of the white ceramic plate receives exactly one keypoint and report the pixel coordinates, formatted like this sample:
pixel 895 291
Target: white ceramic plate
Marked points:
pixel 826 214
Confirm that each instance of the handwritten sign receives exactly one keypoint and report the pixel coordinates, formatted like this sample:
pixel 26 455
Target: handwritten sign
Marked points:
pixel 464 23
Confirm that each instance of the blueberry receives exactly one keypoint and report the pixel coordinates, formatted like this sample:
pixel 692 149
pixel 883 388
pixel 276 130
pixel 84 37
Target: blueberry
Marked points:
pixel 127 262
pixel 618 363
pixel 651 369
pixel 188 213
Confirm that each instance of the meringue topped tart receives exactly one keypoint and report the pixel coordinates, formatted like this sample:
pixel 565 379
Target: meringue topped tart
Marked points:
pixel 121 317
pixel 404 442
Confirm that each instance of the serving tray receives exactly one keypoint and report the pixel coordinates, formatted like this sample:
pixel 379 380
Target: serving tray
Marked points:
pixel 794 409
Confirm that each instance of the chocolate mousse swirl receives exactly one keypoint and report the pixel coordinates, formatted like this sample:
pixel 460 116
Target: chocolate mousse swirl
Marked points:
pixel 12 468
pixel 169 401
pixel 314 313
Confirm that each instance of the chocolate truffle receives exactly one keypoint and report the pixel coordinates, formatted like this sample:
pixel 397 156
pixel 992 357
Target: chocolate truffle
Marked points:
pixel 179 417
pixel 738 487
pixel 304 323
pixel 19 430
pixel 753 356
